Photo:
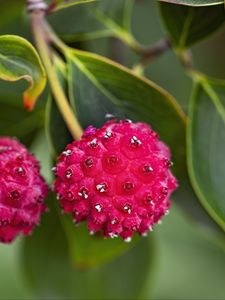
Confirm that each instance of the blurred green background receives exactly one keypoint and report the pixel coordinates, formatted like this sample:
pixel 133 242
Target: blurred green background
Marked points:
pixel 189 263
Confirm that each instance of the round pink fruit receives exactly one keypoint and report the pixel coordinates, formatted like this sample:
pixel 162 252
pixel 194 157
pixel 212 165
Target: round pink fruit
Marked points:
pixel 117 178
pixel 22 190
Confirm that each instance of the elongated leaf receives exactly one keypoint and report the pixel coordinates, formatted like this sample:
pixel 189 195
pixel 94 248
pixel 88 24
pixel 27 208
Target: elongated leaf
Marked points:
pixel 78 23
pixel 188 25
pixel 206 147
pixel 19 60
pixel 195 2
pixel 81 22
pixel 99 86
pixel 49 269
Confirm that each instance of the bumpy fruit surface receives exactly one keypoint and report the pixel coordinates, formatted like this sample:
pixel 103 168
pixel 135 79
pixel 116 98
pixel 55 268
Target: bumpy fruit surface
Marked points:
pixel 117 178
pixel 22 190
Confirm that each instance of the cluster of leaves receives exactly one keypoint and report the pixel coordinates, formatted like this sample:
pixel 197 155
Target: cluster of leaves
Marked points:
pixel 95 86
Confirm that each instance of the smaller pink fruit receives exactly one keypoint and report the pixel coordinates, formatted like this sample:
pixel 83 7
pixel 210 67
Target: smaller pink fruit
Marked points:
pixel 22 190
pixel 117 178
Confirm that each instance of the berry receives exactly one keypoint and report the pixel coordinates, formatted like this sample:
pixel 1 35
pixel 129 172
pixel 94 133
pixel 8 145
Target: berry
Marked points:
pixel 117 178
pixel 22 190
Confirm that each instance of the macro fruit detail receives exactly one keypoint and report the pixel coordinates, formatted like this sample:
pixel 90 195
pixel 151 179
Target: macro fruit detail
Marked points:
pixel 22 190
pixel 117 178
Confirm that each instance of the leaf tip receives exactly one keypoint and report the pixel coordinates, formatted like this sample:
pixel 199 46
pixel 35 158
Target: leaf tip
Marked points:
pixel 29 102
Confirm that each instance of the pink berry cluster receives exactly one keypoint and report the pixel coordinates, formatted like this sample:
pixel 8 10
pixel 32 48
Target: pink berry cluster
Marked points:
pixel 22 190
pixel 117 178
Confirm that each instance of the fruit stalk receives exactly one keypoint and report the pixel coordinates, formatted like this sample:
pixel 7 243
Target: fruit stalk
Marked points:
pixel 37 11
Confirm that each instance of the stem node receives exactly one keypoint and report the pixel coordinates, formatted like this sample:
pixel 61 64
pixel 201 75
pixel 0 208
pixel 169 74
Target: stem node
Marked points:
pixel 35 5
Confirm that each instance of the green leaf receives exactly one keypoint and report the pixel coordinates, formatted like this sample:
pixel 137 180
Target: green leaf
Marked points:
pixel 190 24
pixel 82 22
pixel 14 120
pixel 48 267
pixel 19 60
pixel 195 2
pixel 78 23
pixel 206 147
pixel 60 4
pixel 98 86
pixel 88 251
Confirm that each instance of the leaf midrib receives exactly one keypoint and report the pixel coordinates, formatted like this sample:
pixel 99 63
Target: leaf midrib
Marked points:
pixel 16 63
pixel 190 159
pixel 186 27
pixel 215 99
pixel 93 79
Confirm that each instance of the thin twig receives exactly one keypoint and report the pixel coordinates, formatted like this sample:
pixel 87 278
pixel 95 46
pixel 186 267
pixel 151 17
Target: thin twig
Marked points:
pixel 37 11
pixel 151 53
pixel 155 50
